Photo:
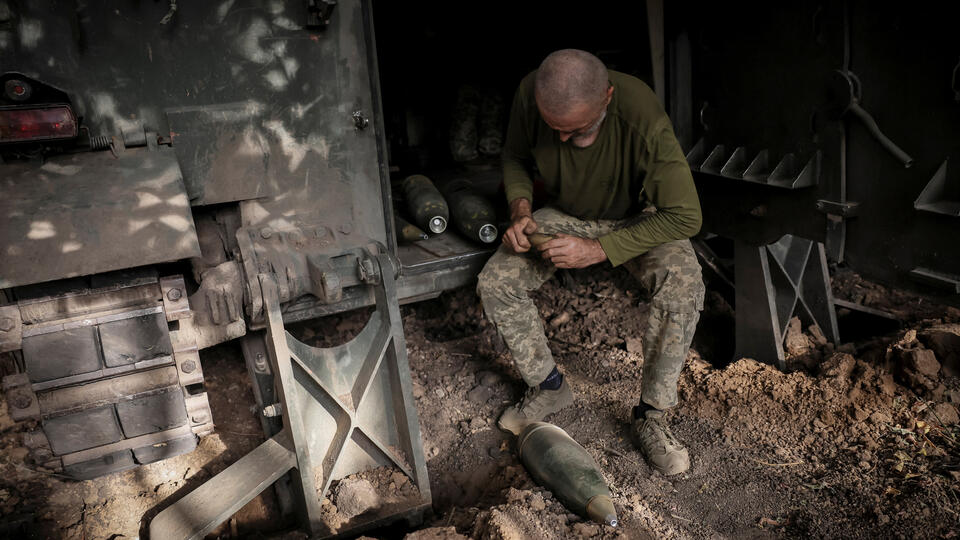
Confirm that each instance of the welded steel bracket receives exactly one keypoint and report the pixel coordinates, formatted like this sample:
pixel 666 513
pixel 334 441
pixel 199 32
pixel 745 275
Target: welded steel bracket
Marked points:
pixel 345 409
pixel 775 283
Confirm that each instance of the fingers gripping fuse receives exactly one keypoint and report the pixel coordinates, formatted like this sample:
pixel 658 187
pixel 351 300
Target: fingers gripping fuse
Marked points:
pixel 558 462
pixel 426 205
pixel 472 213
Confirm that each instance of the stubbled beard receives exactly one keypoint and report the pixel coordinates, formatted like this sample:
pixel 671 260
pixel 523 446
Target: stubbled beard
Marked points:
pixel 590 133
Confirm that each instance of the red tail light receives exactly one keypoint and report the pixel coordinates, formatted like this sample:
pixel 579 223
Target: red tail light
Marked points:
pixel 46 123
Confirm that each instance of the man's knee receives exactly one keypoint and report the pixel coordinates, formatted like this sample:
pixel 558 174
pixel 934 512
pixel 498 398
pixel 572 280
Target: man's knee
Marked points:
pixel 674 278
pixel 501 279
pixel 487 285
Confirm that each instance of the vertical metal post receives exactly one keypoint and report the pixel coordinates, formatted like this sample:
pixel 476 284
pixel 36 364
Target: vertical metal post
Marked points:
pixel 758 329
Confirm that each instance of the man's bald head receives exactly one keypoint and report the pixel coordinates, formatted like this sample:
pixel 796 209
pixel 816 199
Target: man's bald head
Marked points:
pixel 568 78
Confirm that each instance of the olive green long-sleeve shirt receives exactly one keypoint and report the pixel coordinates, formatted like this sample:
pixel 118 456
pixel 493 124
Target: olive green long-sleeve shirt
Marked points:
pixel 635 160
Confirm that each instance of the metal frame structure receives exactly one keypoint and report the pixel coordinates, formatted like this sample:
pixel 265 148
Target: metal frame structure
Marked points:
pixel 345 409
pixel 774 283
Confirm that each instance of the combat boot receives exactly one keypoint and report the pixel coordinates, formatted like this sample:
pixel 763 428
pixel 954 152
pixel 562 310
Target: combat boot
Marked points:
pixel 652 436
pixel 534 407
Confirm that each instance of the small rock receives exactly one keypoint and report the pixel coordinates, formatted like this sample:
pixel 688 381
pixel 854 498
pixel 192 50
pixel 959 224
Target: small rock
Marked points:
pixel 634 344
pixel 399 479
pixel 908 340
pixel 838 365
pixel 586 530
pixel 923 361
pixel 417 390
pixel 439 392
pixel 537 503
pixel 561 319
pixel 945 414
pixel 354 496
pixel 515 495
pixel 944 341
pixel 880 418
pixel 817 335
pixel 19 454
pixel 480 394
pixel 795 342
pixel 487 378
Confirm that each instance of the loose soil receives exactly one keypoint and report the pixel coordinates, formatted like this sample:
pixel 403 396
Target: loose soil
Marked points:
pixel 858 440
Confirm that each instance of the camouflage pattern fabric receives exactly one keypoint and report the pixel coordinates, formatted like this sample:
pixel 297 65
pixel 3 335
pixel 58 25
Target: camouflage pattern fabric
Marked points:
pixel 463 125
pixel 491 124
pixel 669 272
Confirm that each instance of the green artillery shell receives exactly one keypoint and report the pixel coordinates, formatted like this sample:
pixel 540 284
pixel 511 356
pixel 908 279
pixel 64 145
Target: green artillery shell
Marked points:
pixel 427 206
pixel 408 232
pixel 560 464
pixel 472 213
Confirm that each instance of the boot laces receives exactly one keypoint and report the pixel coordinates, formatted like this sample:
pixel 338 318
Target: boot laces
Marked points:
pixel 656 433
pixel 530 402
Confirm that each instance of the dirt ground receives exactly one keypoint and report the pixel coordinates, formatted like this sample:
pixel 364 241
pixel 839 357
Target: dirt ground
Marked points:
pixel 855 441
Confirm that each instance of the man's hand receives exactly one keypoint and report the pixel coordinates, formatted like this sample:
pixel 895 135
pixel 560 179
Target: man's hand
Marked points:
pixel 566 251
pixel 521 224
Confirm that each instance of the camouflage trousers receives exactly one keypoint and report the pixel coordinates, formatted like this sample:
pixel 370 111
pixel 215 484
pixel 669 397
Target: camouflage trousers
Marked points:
pixel 669 272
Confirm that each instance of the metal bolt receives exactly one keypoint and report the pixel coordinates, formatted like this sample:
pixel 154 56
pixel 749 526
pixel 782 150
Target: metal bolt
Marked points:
pixel 174 294
pixel 260 363
pixel 21 400
pixel 266 232
pixel 7 324
pixel 188 367
pixel 346 228
pixel 360 120
pixel 271 411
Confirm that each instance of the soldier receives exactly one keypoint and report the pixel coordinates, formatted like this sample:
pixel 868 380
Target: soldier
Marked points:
pixel 606 152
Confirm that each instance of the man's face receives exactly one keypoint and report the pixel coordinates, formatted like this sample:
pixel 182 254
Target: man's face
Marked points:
pixel 581 123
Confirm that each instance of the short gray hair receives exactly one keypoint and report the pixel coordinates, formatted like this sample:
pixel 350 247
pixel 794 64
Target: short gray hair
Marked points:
pixel 569 77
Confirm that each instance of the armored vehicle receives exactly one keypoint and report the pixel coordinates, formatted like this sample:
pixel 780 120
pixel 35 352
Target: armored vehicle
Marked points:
pixel 175 175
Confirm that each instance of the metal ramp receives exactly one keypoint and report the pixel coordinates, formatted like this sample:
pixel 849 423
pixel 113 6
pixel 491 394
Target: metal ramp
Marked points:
pixel 345 409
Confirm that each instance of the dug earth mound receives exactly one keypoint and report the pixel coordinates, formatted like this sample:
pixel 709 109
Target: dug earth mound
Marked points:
pixel 855 441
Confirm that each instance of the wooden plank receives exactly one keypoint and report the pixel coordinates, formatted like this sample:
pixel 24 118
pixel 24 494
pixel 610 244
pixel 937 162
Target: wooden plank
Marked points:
pixel 206 507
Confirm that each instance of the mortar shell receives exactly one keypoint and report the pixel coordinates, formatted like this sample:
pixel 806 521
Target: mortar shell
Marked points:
pixel 559 463
pixel 472 213
pixel 427 206
pixel 408 232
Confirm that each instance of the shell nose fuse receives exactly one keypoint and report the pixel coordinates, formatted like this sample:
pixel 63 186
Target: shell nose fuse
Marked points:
pixel 426 204
pixel 559 463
